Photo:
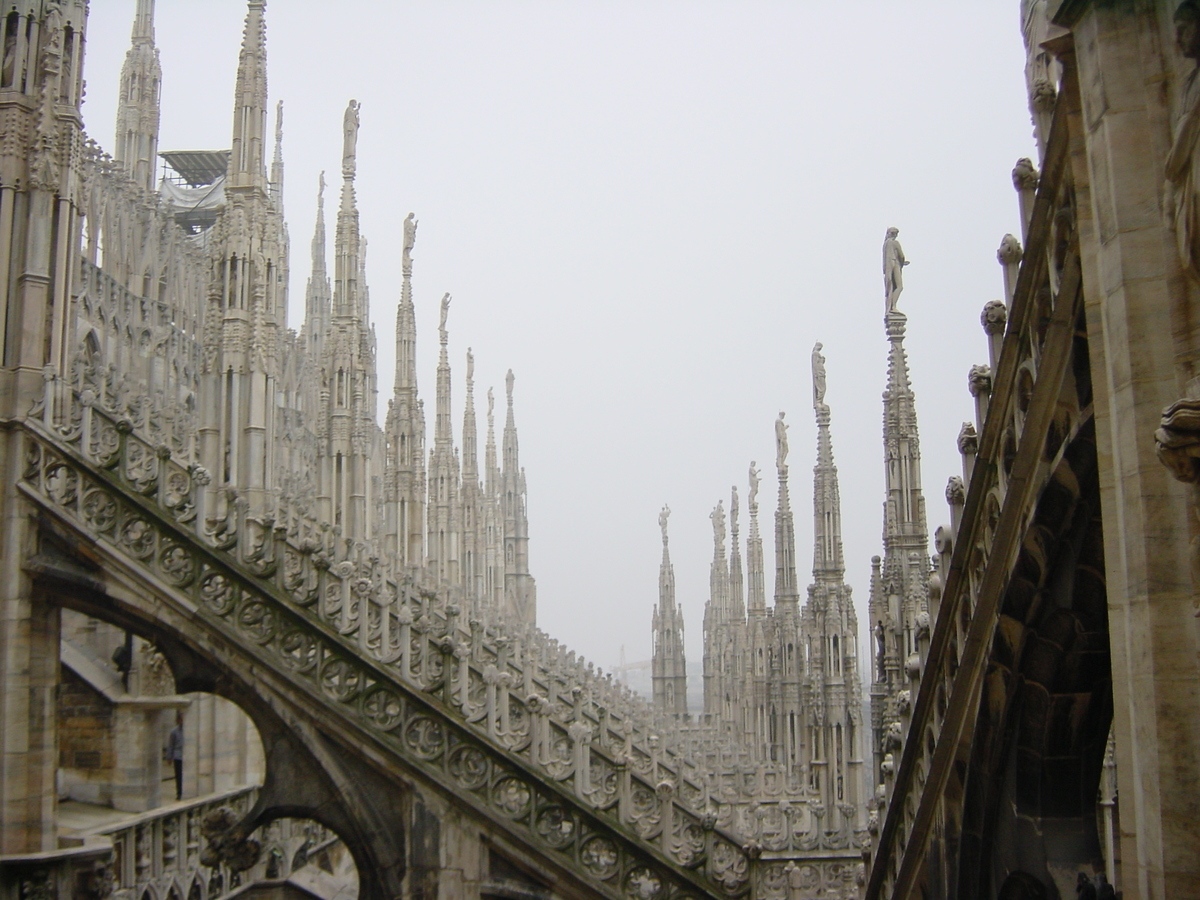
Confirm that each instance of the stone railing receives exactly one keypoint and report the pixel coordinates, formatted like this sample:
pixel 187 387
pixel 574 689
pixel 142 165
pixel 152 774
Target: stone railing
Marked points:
pixel 521 743
pixel 161 852
pixel 1024 426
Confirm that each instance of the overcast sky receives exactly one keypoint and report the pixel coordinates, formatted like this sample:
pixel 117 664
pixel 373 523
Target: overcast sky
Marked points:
pixel 650 211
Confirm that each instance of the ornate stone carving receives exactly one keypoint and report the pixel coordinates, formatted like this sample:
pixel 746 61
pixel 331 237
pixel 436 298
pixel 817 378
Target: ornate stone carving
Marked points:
pixel 227 844
pixel 979 380
pixel 1024 175
pixel 955 491
pixel 1010 251
pixel 968 439
pixel 994 316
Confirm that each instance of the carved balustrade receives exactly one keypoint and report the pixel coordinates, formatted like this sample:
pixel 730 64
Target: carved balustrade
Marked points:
pixel 529 746
pixel 159 854
pixel 1024 426
pixel 304 559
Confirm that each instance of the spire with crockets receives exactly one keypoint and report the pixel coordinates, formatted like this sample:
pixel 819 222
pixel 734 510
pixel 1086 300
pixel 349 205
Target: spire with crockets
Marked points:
pixel 138 105
pixel 900 591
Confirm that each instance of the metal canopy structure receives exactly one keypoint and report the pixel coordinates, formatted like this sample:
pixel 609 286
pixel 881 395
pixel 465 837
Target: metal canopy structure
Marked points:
pixel 197 167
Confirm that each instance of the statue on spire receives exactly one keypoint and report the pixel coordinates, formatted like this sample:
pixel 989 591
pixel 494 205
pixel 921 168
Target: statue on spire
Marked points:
pixel 662 522
pixel 350 137
pixel 753 502
pixel 445 313
pixel 410 236
pixel 893 268
pixel 470 366
pixel 818 376
pixel 718 520
pixel 491 405
pixel 781 442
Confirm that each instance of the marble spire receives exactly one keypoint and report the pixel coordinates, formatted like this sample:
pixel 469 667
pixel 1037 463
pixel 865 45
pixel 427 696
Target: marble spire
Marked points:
pixel 786 594
pixel 668 665
pixel 737 600
pixel 520 595
pixel 900 594
pixel 347 296
pixel 405 481
pixel 829 625
pixel 828 563
pixel 490 466
pixel 247 163
pixel 138 106
pixel 473 549
pixel 755 573
pixel 318 294
pixel 443 502
pixel 277 160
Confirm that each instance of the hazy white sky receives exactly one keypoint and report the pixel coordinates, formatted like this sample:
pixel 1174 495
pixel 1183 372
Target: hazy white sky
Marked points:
pixel 650 211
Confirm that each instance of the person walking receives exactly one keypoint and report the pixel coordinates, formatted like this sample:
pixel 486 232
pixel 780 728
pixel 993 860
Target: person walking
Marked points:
pixel 175 753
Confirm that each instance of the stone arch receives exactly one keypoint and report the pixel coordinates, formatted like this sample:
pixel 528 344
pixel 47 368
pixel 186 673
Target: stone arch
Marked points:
pixel 307 775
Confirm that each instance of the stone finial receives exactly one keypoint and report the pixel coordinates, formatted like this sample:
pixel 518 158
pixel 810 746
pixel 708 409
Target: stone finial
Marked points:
pixel 994 316
pixel 662 522
pixel 893 268
pixel 979 380
pixel 968 439
pixel 1010 251
pixel 955 491
pixel 1024 175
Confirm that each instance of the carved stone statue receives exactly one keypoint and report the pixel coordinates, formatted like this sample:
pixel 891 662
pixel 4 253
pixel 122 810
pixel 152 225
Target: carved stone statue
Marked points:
pixel 1183 161
pixel 662 522
pixel 350 136
pixel 445 313
pixel 781 442
pixel 718 520
pixel 753 502
pixel 470 365
pixel 410 234
pixel 818 375
pixel 893 268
